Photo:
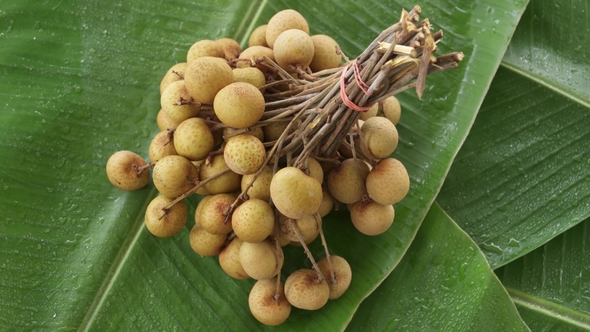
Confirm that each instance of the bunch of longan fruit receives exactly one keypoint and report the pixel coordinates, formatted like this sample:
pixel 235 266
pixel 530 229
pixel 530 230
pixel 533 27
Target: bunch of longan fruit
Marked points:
pixel 243 128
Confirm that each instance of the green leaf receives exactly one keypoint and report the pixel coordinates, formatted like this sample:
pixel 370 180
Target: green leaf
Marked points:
pixel 81 82
pixel 443 283
pixel 521 178
pixel 549 285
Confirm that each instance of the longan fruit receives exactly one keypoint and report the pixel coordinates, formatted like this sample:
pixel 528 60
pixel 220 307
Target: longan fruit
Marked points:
pixel 266 305
pixel 205 76
pixel 166 224
pixel 193 139
pixel 259 259
pixel 315 169
pixel 261 186
pixel 239 105
pixel 231 48
pixel 388 182
pixel 380 136
pixel 175 73
pixel 307 226
pixel 295 194
pixel 244 154
pixel 226 183
pixel 250 75
pixel 165 122
pixel 256 132
pixel 253 53
pixel 293 48
pixel 371 112
pixel 173 175
pixel 203 48
pixel 258 36
pixel 371 218
pixel 253 220
pixel 344 183
pixel 212 216
pixel 283 21
pixel 391 109
pixel 122 170
pixel 162 145
pixel 342 275
pixel 178 103
pixel 327 203
pixel 205 243
pixel 325 54
pixel 274 130
pixel 229 260
pixel 305 289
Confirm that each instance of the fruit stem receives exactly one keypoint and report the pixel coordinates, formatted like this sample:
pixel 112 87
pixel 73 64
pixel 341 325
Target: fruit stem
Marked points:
pixel 307 252
pixel 139 169
pixel 325 245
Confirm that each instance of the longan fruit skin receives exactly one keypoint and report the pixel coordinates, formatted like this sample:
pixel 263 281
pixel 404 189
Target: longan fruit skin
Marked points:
pixel 121 169
pixel 175 73
pixel 259 259
pixel 282 21
pixel 391 109
pixel 264 307
pixel 193 139
pixel 327 203
pixel 258 36
pixel 342 273
pixel 388 182
pixel 250 75
pixel 170 98
pixel 344 183
pixel 307 226
pixel 166 224
pixel 229 260
pixel 162 145
pixel 205 76
pixel 295 194
pixel 205 243
pixel 165 122
pixel 257 132
pixel 381 136
pixel 211 214
pixel 231 48
pixel 244 154
pixel 371 112
pixel 261 187
pixel 253 220
pixel 293 48
pixel 239 105
pixel 371 218
pixel 173 175
pixel 273 130
pixel 304 291
pixel 324 56
pixel 226 183
pixel 205 47
pixel 253 53
pixel 315 169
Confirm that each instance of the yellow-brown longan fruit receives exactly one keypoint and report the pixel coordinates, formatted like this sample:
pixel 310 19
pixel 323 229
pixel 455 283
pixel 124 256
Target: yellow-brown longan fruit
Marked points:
pixel 203 48
pixel 307 227
pixel 371 218
pixel 123 170
pixel 369 113
pixel 327 203
pixel 229 260
pixel 173 175
pixel 244 154
pixel 391 109
pixel 253 220
pixel 295 194
pixel 315 169
pixel 266 305
pixel 193 139
pixel 205 76
pixel 325 54
pixel 381 136
pixel 231 132
pixel 231 48
pixel 344 182
pixel 205 243
pixel 212 217
pixel 388 182
pixel 162 145
pixel 175 73
pixel 304 290
pixel 259 259
pixel 239 105
pixel 250 75
pixel 258 37
pixel 283 21
pixel 166 224
pixel 165 122
pixel 293 48
pixel 226 183
pixel 274 130
pixel 261 187
pixel 342 275
pixel 252 54
pixel 177 102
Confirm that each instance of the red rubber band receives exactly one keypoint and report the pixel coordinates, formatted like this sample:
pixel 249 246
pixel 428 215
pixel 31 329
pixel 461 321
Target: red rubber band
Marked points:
pixel 360 83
